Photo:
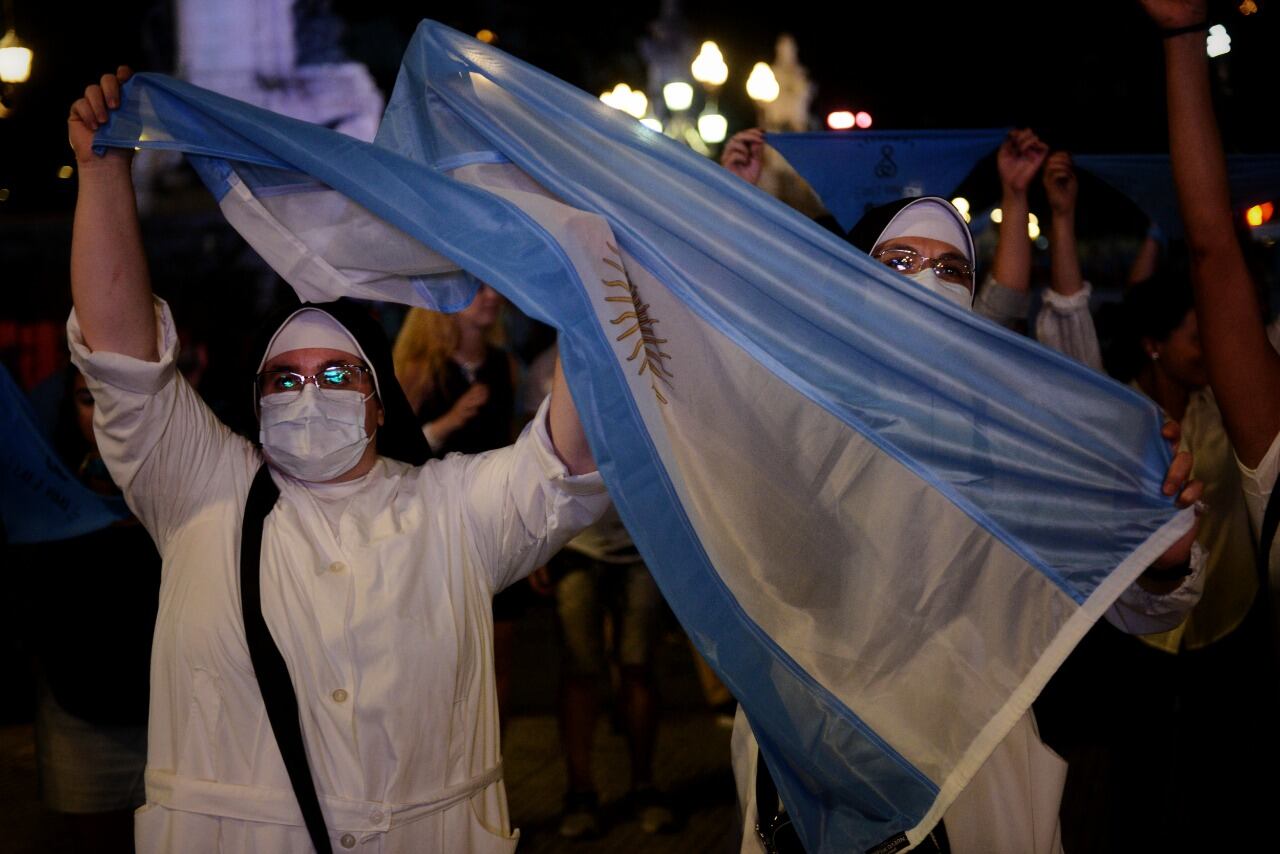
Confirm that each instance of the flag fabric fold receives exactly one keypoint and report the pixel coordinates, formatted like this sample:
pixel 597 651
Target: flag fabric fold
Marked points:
pixel 40 500
pixel 882 520
pixel 1147 179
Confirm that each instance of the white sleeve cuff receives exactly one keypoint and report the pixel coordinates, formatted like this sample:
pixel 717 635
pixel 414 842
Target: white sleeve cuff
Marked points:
pixel 1068 304
pixel 552 467
pixel 126 372
pixel 435 443
pixel 1140 612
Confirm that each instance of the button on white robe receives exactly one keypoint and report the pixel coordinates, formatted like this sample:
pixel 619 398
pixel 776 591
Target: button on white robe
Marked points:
pixel 383 619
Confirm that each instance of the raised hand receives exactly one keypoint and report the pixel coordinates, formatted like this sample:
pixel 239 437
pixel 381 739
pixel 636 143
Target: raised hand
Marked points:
pixel 1060 183
pixel 743 155
pixel 469 404
pixel 92 111
pixel 1020 157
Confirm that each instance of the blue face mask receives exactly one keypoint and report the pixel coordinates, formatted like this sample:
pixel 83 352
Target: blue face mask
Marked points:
pixel 312 436
pixel 958 294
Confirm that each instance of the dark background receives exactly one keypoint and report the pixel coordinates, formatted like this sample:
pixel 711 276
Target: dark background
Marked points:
pixel 1087 75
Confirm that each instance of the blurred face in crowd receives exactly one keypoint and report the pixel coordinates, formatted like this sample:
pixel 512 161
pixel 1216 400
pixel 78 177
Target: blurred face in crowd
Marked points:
pixel 484 309
pixel 1179 356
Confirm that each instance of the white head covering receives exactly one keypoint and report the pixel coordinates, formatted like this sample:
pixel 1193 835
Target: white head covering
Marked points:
pixel 932 217
pixel 312 327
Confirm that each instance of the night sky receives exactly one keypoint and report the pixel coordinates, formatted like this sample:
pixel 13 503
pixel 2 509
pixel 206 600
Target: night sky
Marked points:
pixel 1089 79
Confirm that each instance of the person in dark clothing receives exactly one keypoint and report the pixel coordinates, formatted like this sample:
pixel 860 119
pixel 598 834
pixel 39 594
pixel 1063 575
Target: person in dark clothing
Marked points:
pixel 460 383
pixel 92 605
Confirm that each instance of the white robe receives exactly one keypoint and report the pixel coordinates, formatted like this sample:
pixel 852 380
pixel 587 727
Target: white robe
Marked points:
pixel 383 619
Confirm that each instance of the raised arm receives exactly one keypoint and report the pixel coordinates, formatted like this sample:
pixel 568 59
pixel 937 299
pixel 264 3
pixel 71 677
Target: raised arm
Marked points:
pixel 1244 370
pixel 1064 322
pixel 1018 161
pixel 1064 258
pixel 110 285
pixel 567 435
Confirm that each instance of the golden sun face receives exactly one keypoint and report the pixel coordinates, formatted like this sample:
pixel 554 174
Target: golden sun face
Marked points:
pixel 648 346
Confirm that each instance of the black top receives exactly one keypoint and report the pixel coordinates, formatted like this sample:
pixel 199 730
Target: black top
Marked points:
pixel 95 599
pixel 491 426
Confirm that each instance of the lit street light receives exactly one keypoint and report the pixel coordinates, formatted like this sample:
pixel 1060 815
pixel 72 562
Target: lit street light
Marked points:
pixel 677 96
pixel 15 59
pixel 713 127
pixel 709 67
pixel 633 102
pixel 762 86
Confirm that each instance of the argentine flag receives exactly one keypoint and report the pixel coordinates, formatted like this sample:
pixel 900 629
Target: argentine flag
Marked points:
pixel 883 520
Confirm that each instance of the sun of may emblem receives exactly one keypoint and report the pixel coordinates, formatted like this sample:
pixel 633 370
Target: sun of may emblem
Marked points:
pixel 637 321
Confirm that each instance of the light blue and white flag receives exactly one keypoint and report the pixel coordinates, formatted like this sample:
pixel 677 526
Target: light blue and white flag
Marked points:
pixel 883 520
pixel 39 499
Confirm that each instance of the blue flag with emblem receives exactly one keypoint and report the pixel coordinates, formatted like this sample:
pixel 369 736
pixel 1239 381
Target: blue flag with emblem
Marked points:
pixel 853 172
pixel 865 504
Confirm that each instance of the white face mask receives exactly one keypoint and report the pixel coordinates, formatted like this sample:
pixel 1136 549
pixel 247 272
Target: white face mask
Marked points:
pixel 958 294
pixel 314 437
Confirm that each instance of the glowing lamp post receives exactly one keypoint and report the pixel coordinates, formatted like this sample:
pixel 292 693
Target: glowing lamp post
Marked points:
pixel 678 96
pixel 622 97
pixel 709 67
pixel 713 127
pixel 15 59
pixel 762 86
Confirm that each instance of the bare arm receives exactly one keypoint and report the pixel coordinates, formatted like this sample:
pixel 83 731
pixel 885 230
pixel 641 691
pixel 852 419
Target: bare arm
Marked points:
pixel 1244 370
pixel 110 285
pixel 1064 258
pixel 1018 161
pixel 565 427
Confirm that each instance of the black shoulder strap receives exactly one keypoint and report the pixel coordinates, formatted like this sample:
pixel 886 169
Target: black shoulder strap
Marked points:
pixel 776 831
pixel 268 664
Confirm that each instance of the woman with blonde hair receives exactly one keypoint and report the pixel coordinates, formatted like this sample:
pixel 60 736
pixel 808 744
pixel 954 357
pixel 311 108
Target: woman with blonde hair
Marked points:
pixel 459 380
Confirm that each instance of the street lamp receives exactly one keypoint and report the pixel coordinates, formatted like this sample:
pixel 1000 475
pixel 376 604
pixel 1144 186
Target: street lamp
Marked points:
pixel 762 86
pixel 631 101
pixel 713 127
pixel 677 96
pixel 15 57
pixel 709 67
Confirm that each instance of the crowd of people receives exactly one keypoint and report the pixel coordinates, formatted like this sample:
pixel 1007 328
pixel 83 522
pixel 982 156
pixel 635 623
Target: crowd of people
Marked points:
pixel 271 589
